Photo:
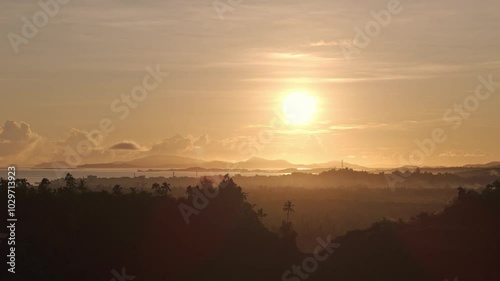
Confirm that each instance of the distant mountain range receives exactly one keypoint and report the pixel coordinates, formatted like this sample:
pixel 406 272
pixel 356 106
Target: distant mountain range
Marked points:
pixel 254 163
pixel 178 162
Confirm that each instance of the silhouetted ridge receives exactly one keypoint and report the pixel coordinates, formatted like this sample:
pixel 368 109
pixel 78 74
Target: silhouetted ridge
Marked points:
pixel 71 233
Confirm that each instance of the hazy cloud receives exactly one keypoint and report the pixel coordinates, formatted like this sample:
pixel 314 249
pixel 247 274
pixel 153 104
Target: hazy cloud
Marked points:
pixel 173 145
pixel 17 141
pixel 126 145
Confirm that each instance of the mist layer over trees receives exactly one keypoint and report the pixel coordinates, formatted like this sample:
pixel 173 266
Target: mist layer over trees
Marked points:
pixel 70 232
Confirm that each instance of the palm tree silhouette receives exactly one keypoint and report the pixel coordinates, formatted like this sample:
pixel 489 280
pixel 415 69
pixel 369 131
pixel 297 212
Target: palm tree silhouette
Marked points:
pixel 155 187
pixel 288 208
pixel 190 192
pixel 260 214
pixel 165 188
pixel 161 190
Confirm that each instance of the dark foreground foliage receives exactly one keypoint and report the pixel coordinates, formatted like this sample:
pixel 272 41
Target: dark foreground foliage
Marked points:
pixel 71 234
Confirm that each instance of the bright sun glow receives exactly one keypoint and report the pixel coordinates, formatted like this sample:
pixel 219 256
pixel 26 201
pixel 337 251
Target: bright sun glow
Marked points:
pixel 299 108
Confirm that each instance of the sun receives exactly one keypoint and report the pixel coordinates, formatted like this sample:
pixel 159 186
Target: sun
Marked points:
pixel 299 108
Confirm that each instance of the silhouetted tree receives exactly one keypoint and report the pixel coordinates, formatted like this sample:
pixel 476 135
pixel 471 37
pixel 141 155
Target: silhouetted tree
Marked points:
pixel 70 181
pixel 207 185
pixel 155 186
pixel 165 187
pixel 43 187
pixel 461 193
pixel 288 208
pixel 22 183
pixel 190 193
pixel 260 214
pixel 82 185
pixel 244 195
pixel 161 190
pixel 288 234
pixel 117 189
pixel 206 182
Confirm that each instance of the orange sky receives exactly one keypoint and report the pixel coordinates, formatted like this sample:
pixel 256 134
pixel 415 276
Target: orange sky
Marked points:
pixel 228 80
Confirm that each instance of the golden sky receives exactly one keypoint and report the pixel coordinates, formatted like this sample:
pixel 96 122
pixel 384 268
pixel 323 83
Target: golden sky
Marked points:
pixel 229 79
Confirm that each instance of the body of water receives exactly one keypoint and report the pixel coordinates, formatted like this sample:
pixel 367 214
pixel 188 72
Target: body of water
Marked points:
pixel 36 175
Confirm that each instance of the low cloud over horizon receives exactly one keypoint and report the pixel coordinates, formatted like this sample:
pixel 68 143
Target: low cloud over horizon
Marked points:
pixel 22 146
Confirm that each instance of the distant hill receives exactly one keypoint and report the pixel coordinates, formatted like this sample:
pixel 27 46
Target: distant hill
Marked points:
pixel 116 165
pixel 52 165
pixel 153 161
pixel 469 170
pixel 261 163
pixel 178 162
pixel 495 164
pixel 165 161
pixel 257 163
